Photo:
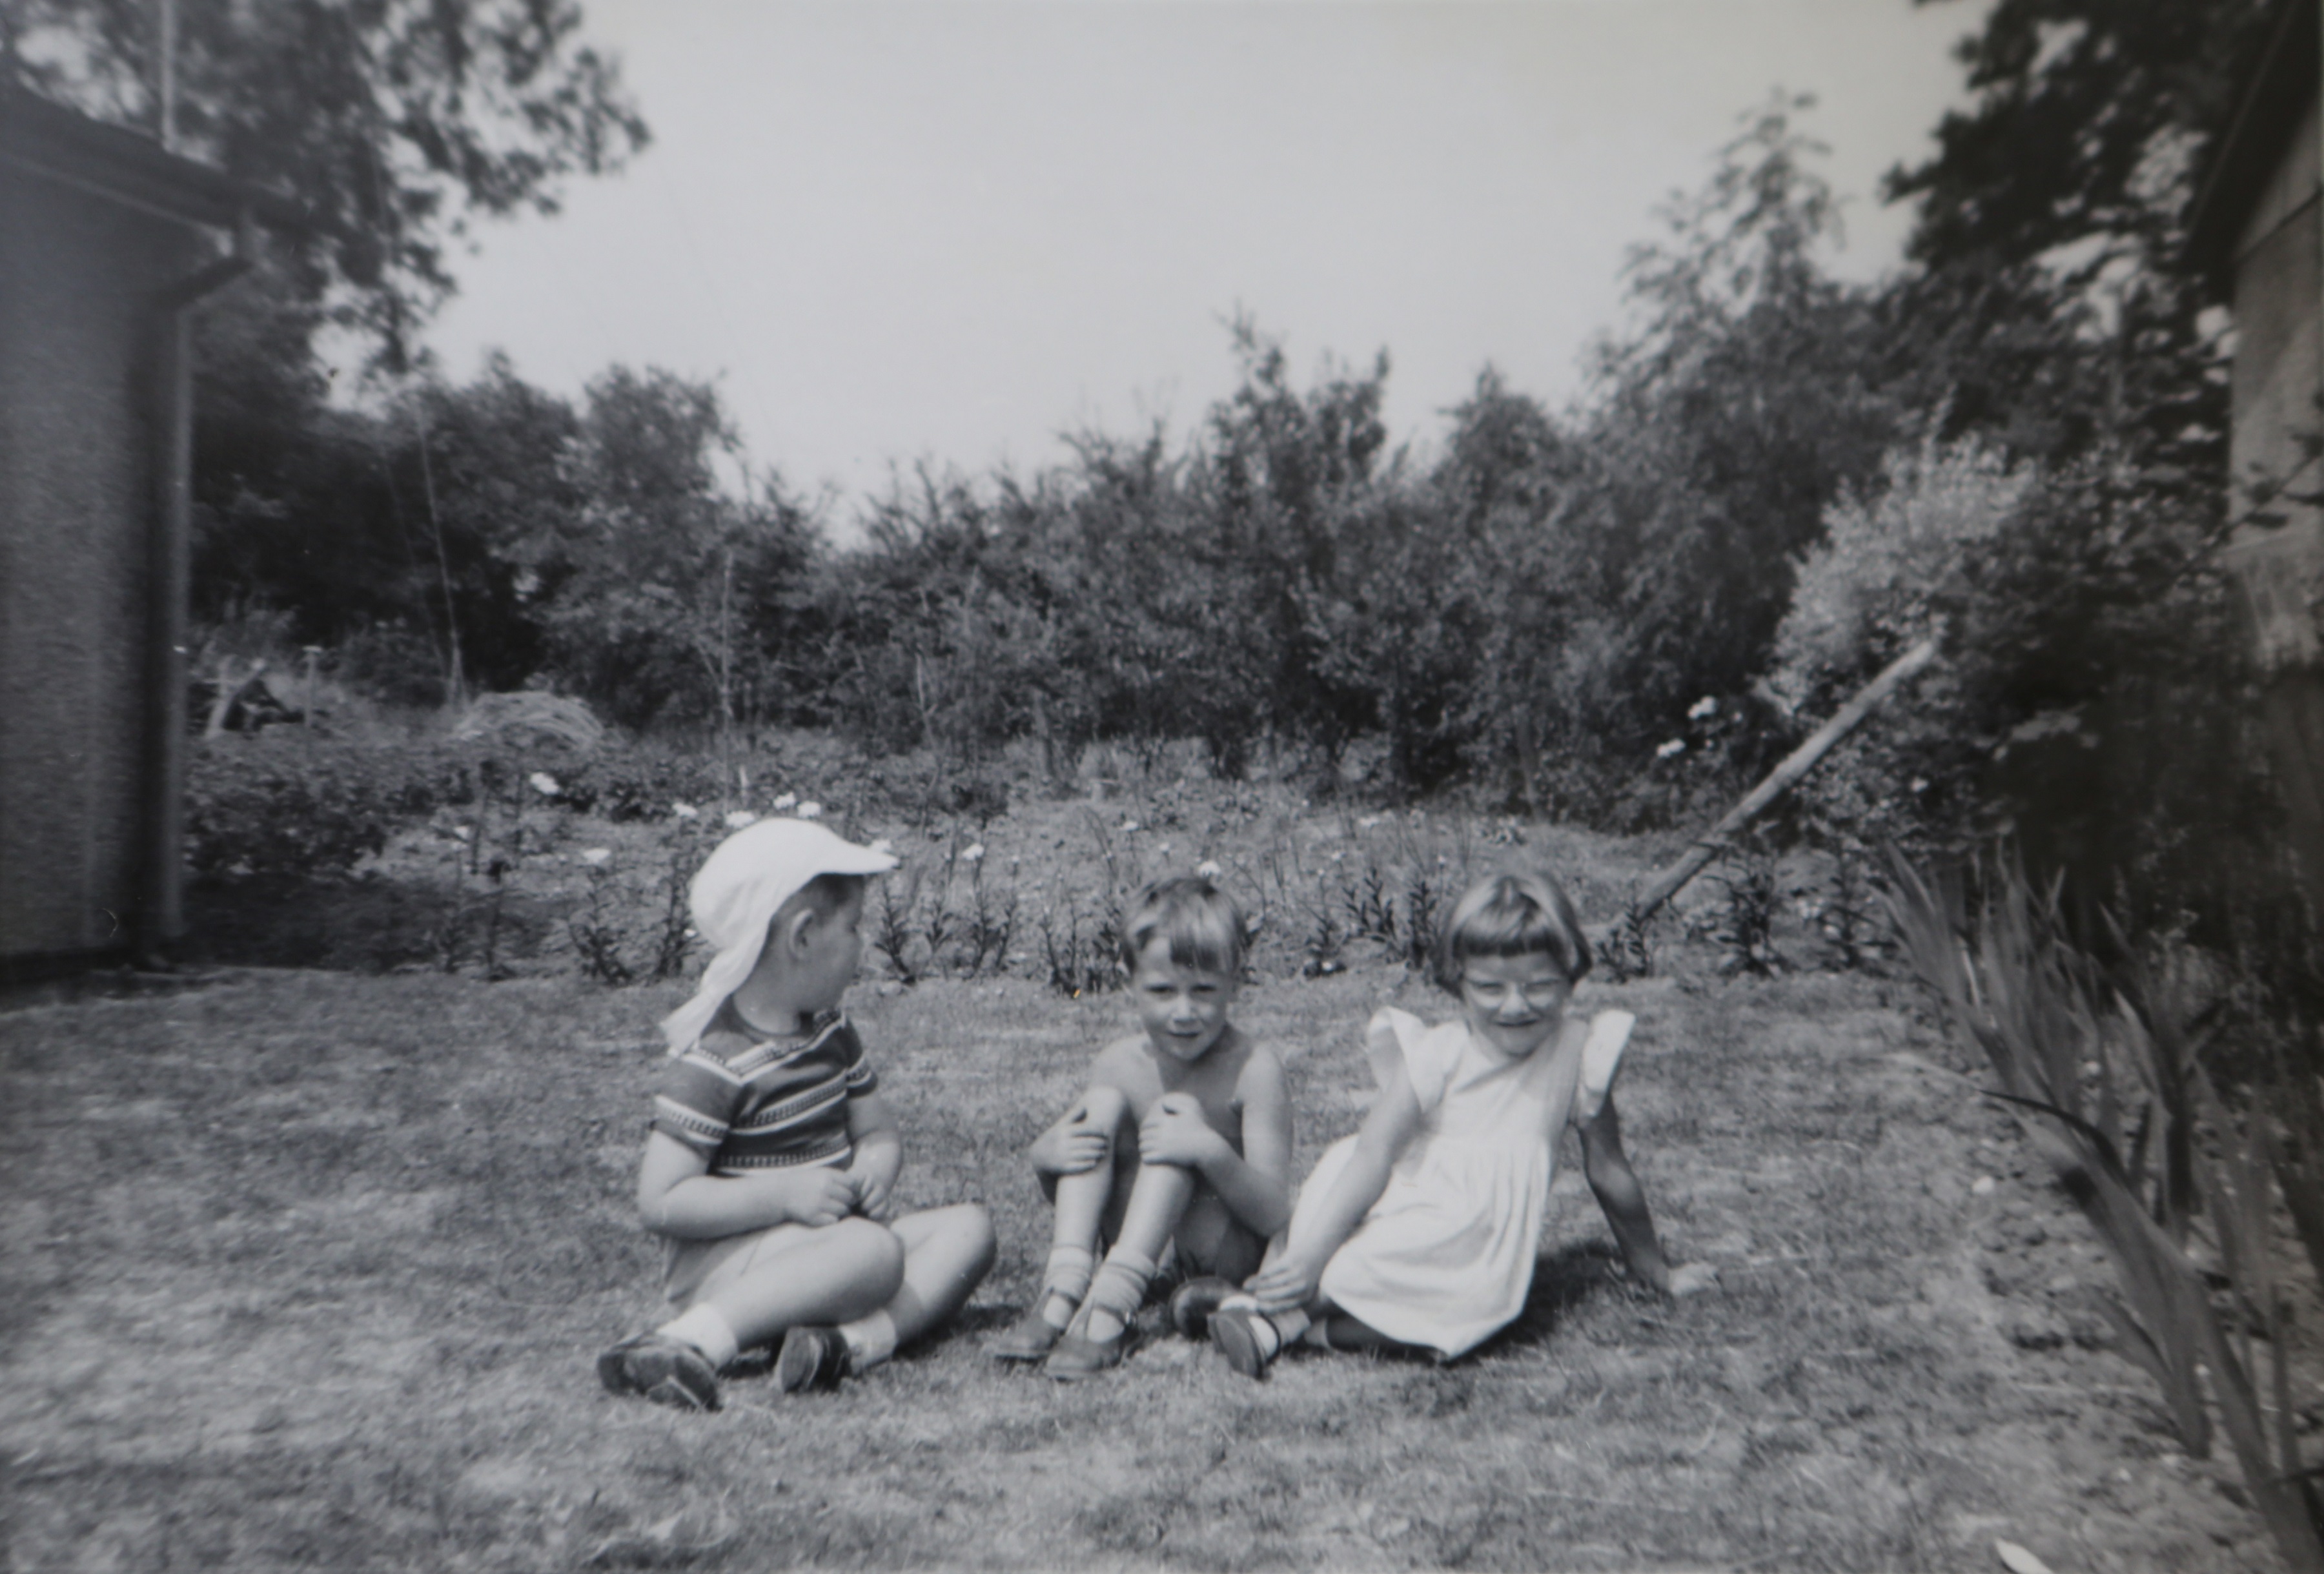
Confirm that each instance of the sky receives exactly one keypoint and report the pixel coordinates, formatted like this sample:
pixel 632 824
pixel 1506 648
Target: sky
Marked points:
pixel 950 230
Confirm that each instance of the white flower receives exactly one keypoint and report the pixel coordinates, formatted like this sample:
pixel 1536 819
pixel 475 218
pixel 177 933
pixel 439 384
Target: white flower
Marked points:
pixel 1369 821
pixel 884 845
pixel 738 818
pixel 544 784
pixel 1920 783
pixel 975 853
pixel 595 856
pixel 1208 868
pixel 460 833
pixel 686 811
pixel 785 802
pixel 1705 706
pixel 1161 848
pixel 1130 824
pixel 809 811
pixel 1676 746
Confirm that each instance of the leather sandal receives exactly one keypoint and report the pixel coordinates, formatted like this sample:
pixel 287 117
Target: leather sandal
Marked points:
pixel 811 1358
pixel 1191 1303
pixel 1028 1339
pixel 1078 1355
pixel 1243 1342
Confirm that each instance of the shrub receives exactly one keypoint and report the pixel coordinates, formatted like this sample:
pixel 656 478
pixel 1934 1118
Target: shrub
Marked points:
pixel 293 803
pixel 1890 572
pixel 255 807
pixel 634 783
pixel 1874 586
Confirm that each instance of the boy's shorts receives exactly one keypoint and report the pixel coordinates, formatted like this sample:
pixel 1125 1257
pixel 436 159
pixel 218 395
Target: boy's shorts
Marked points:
pixel 697 1267
pixel 1210 1242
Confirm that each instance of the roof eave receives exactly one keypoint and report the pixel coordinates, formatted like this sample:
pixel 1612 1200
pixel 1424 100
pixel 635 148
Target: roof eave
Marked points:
pixel 62 144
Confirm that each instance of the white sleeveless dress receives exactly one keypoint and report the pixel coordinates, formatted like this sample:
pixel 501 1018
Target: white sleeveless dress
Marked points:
pixel 1444 1258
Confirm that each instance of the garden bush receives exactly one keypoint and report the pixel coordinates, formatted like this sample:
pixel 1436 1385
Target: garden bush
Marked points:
pixel 632 782
pixel 290 802
pixel 254 806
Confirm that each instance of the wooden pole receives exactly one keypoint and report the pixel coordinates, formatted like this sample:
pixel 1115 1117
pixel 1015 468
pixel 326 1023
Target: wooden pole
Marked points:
pixel 1795 765
pixel 165 51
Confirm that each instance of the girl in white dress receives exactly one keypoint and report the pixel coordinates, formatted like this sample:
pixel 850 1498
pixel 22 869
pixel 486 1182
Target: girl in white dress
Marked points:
pixel 1420 1231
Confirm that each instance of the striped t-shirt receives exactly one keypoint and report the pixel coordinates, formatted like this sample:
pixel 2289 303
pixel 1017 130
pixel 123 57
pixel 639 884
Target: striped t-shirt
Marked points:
pixel 745 1101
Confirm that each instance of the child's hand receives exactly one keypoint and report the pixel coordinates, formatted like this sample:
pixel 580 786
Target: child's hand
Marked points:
pixel 819 1196
pixel 1288 1283
pixel 1072 1146
pixel 875 1196
pixel 1174 1132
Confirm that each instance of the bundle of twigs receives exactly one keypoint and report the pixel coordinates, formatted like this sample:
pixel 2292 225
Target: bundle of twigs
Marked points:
pixel 530 717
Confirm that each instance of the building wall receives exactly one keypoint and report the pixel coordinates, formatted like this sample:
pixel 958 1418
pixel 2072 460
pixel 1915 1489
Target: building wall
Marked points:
pixel 2277 283
pixel 76 504
pixel 2278 374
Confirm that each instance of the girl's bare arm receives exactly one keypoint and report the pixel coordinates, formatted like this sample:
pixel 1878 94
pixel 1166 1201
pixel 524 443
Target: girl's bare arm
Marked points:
pixel 1619 1193
pixel 1289 1281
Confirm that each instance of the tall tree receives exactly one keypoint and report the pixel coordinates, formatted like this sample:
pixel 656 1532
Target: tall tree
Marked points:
pixel 651 590
pixel 1288 478
pixel 2053 219
pixel 2089 120
pixel 1735 411
pixel 391 120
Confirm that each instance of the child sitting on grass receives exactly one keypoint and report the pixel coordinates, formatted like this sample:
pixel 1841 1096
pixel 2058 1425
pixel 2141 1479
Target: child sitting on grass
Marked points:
pixel 770 1167
pixel 1419 1232
pixel 1182 1138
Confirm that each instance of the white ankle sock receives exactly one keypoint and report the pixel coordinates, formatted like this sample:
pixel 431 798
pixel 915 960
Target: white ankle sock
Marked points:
pixel 705 1327
pixel 869 1340
pixel 1065 1279
pixel 1270 1338
pixel 1119 1287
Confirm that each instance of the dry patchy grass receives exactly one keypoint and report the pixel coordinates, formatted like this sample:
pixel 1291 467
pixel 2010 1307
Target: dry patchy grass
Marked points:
pixel 307 1270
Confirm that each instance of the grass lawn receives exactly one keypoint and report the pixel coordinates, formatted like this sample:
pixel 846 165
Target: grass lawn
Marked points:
pixel 308 1270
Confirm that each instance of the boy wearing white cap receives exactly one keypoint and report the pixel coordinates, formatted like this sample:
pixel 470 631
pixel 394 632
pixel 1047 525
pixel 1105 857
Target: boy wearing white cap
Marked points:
pixel 770 1168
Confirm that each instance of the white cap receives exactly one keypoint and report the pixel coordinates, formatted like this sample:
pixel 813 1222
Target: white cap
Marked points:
pixel 738 891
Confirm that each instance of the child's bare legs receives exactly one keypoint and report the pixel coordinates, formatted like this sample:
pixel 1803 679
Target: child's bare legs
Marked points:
pixel 1251 1339
pixel 946 1252
pixel 1336 1331
pixel 796 1275
pixel 773 1280
pixel 1080 1201
pixel 1096 1205
pixel 1157 1200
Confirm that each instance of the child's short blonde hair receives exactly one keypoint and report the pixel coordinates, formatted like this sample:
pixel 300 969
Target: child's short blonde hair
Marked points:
pixel 1519 912
pixel 1198 921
